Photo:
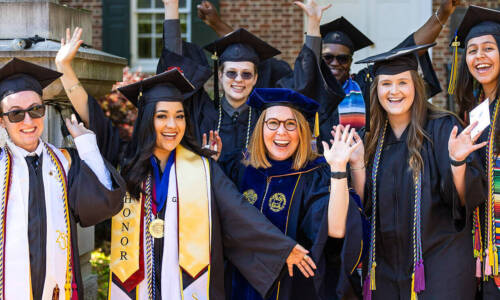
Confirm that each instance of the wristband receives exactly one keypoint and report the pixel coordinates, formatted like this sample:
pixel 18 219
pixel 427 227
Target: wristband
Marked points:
pixel 457 163
pixel 339 175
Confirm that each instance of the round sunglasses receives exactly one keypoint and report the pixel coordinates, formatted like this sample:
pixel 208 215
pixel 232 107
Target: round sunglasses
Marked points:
pixel 18 115
pixel 244 75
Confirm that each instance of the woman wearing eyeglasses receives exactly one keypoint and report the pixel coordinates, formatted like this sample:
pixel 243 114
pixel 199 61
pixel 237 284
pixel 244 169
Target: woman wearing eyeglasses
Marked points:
pixel 236 57
pixel 305 195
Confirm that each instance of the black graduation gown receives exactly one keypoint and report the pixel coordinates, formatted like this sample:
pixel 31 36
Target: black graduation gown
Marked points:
pixel 489 290
pixel 309 77
pixel 446 225
pixel 365 77
pixel 306 221
pixel 239 232
pixel 90 203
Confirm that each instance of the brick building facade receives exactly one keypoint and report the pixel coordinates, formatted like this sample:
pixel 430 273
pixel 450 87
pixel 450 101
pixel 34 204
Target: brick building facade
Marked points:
pixel 278 22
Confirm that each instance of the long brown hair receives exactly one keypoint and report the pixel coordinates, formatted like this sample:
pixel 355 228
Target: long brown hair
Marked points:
pixel 257 150
pixel 421 111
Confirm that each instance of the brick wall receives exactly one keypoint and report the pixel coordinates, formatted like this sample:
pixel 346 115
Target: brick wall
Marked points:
pixel 441 53
pixel 95 7
pixel 278 22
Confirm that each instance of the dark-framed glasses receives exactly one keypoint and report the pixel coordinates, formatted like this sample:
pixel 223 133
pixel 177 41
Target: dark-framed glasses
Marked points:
pixel 274 124
pixel 18 115
pixel 244 75
pixel 341 58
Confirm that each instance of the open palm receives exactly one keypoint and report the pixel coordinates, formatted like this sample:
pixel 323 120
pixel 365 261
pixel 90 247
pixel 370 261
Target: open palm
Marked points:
pixel 69 47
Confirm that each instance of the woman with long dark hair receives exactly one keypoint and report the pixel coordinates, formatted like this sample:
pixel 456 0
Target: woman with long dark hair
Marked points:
pixel 422 184
pixel 181 212
pixel 478 83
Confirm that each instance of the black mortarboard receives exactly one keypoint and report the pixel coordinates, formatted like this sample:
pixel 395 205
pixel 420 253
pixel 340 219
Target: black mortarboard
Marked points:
pixel 262 98
pixel 167 86
pixel 477 21
pixel 241 45
pixel 19 75
pixel 341 31
pixel 396 60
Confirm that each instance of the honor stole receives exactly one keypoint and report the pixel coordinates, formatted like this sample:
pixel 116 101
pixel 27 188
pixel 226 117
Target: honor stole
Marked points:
pixel 132 249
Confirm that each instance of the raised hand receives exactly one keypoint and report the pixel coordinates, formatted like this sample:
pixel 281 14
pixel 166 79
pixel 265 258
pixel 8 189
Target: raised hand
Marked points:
pixel 299 258
pixel 214 143
pixel 447 7
pixel 69 48
pixel 461 146
pixel 343 145
pixel 76 129
pixel 208 13
pixel 312 9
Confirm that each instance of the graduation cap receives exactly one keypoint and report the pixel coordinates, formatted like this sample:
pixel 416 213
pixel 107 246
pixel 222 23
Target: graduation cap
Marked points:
pixel 19 75
pixel 167 86
pixel 477 21
pixel 239 45
pixel 341 31
pixel 396 60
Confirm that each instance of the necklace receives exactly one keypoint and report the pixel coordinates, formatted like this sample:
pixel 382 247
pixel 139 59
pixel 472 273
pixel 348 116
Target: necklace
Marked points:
pixel 248 125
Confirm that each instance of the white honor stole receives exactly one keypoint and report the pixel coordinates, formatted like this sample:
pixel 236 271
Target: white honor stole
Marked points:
pixel 17 281
pixel 171 273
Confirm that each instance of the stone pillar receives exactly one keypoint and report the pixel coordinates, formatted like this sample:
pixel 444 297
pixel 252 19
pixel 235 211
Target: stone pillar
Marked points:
pixel 45 21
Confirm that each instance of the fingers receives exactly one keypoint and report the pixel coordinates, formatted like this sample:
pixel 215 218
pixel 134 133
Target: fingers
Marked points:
pixel 204 140
pixel 350 137
pixel 337 132
pixel 325 7
pixel 345 133
pixel 290 270
pixel 453 133
pixel 305 266
pixel 479 146
pixel 300 4
pixel 310 261
pixel 326 148
pixel 469 128
pixel 68 35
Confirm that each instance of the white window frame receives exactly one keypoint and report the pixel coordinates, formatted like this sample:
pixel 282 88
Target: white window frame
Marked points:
pixel 149 65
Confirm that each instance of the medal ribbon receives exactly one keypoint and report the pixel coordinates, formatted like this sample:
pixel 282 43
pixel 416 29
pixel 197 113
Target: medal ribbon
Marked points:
pixel 161 182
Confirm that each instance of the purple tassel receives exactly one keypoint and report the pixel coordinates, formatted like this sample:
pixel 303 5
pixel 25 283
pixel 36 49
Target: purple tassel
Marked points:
pixel 419 277
pixel 367 292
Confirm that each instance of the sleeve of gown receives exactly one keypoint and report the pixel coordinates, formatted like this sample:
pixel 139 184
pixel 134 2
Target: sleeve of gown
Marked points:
pixel 314 225
pixel 251 242
pixel 89 200
pixel 88 151
pixel 172 40
pixel 475 182
pixel 108 136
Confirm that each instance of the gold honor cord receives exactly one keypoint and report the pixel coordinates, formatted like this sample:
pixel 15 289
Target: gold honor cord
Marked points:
pixel 194 220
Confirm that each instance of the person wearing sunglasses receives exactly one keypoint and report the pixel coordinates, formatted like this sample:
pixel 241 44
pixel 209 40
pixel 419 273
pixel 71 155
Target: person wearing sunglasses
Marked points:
pixel 341 39
pixel 302 193
pixel 238 57
pixel 46 191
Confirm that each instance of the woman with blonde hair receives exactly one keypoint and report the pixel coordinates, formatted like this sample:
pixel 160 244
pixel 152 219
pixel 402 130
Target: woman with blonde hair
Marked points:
pixel 423 184
pixel 477 86
pixel 305 195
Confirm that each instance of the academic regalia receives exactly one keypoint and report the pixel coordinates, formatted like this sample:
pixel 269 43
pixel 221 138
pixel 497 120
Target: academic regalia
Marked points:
pixel 307 78
pixel 259 253
pixel 422 232
pixel 341 31
pixel 296 201
pixel 479 21
pixel 36 258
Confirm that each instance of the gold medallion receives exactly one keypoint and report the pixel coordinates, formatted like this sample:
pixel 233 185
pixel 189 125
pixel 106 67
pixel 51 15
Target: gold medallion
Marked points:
pixel 156 228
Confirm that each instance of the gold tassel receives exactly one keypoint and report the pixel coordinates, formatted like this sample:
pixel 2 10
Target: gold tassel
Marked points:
pixel 214 56
pixel 316 125
pixel 454 67
pixel 413 294
pixel 373 287
pixel 494 270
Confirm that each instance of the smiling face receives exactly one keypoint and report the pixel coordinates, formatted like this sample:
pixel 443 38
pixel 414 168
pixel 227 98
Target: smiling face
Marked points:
pixel 281 143
pixel 483 59
pixel 170 125
pixel 237 89
pixel 339 69
pixel 24 134
pixel 396 94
